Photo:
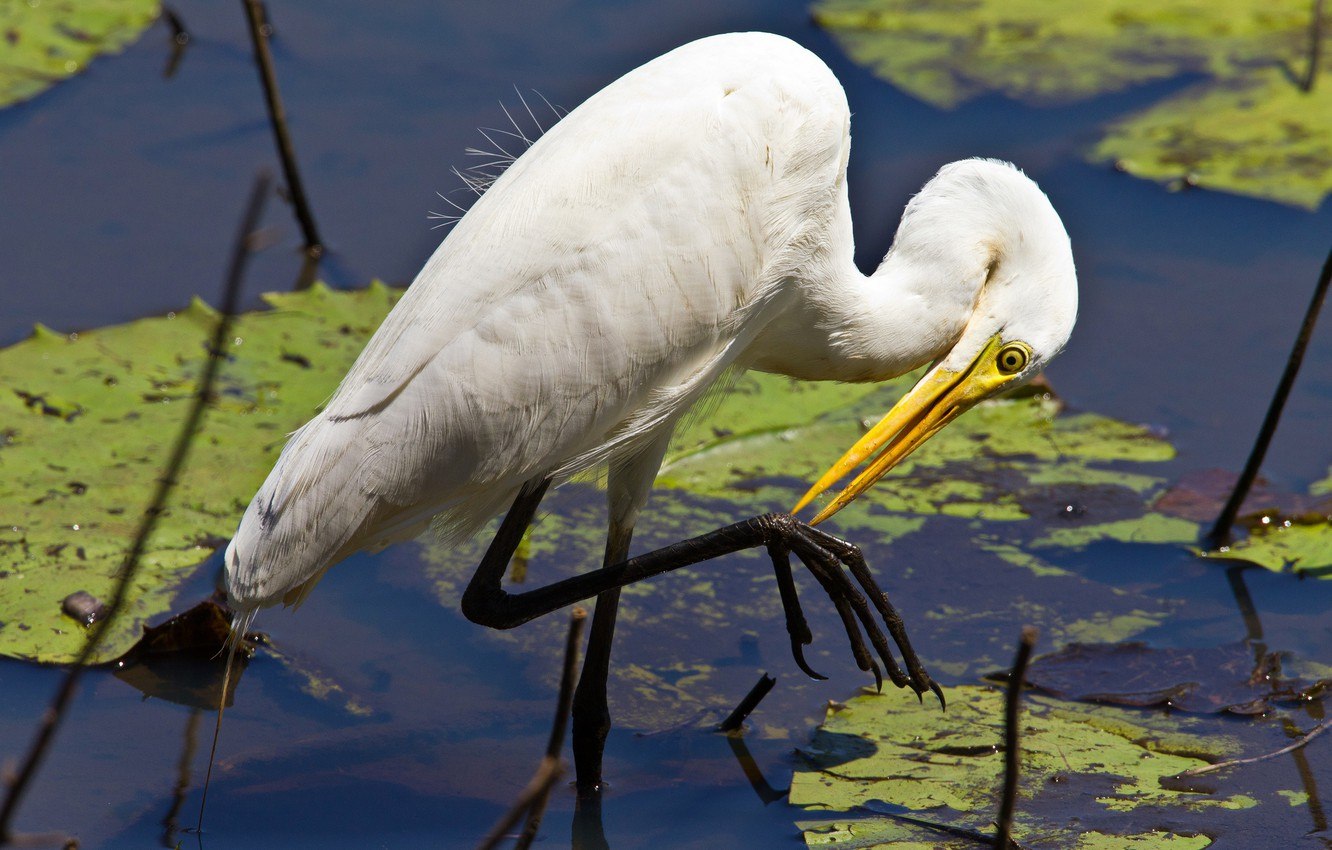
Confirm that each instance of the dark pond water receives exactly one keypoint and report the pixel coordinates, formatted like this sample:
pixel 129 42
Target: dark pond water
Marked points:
pixel 119 194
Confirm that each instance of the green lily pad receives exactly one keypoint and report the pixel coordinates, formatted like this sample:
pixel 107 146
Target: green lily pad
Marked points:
pixel 1277 530
pixel 46 41
pixel 1305 548
pixel 888 833
pixel 86 423
pixel 1084 769
pixel 1257 135
pixel 1251 128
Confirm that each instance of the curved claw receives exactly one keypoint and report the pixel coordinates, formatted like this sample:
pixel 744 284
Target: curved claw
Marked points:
pixel 878 676
pixel 938 692
pixel 798 651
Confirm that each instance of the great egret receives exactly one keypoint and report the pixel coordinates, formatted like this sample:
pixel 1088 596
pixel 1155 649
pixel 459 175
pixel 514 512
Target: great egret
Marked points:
pixel 688 220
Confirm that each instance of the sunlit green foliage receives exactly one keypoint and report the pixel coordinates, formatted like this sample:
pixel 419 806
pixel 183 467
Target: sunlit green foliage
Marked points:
pixel 46 41
pixel 946 767
pixel 87 421
pixel 1256 126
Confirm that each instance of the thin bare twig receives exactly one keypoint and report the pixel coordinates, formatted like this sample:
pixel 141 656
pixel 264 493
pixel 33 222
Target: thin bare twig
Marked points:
pixel 1012 704
pixel 1210 768
pixel 748 704
pixel 221 333
pixel 532 801
pixel 1220 533
pixel 277 116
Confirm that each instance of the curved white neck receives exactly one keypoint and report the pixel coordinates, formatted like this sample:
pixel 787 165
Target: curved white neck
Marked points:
pixel 844 326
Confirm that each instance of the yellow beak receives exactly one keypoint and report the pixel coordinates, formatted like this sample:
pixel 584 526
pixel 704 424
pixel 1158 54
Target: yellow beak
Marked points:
pixel 939 398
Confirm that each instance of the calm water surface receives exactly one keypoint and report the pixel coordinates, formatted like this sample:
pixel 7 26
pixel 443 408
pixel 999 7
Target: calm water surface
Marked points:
pixel 121 191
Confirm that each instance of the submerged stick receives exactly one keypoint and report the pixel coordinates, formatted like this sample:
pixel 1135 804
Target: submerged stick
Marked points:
pixel 60 704
pixel 532 800
pixel 277 116
pixel 1210 768
pixel 1012 703
pixel 1220 533
pixel 748 704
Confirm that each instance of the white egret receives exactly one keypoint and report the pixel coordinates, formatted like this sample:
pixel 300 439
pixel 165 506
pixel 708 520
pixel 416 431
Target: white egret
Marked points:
pixel 688 220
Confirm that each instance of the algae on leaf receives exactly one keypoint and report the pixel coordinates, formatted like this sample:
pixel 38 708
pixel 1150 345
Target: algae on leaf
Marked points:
pixel 1251 128
pixel 1259 134
pixel 1082 767
pixel 86 422
pixel 46 41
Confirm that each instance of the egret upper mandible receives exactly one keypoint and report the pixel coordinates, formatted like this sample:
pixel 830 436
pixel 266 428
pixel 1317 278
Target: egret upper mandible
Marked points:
pixel 688 221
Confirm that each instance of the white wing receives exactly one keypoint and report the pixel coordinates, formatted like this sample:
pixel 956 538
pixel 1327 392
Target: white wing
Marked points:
pixel 588 298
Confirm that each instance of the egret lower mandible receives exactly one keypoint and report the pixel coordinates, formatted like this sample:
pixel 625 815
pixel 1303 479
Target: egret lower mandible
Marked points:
pixel 687 220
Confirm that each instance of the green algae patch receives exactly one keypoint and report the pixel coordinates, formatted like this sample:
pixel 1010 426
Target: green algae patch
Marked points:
pixel 1004 460
pixel 1149 528
pixel 901 835
pixel 1258 135
pixel 87 421
pixel 46 41
pixel 1254 126
pixel 1084 768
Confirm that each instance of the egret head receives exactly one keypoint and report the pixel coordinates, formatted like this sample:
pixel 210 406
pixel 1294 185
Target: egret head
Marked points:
pixel 986 212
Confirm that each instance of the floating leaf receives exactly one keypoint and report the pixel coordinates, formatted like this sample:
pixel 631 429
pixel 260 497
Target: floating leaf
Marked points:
pixel 184 659
pixel 87 422
pixel 1260 135
pixel 1305 548
pixel 1279 531
pixel 46 41
pixel 1083 769
pixel 1251 128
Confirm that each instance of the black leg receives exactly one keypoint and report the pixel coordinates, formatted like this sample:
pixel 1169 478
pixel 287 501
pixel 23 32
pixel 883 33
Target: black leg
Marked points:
pixel 486 602
pixel 591 712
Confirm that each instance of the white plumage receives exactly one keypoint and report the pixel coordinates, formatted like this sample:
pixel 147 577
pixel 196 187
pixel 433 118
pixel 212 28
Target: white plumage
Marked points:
pixel 689 219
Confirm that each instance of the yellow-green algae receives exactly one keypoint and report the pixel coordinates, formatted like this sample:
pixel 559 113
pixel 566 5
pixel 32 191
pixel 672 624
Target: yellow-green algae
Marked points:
pixel 1252 127
pixel 46 41
pixel 87 421
pixel 946 767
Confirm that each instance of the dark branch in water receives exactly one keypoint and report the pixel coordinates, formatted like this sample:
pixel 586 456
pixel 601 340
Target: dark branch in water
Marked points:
pixel 748 704
pixel 532 801
pixel 60 705
pixel 171 823
pixel 1220 533
pixel 180 39
pixel 277 116
pixel 1012 703
pixel 766 793
pixel 1315 47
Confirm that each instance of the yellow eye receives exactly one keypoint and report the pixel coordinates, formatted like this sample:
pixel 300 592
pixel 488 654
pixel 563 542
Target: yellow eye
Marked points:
pixel 1012 358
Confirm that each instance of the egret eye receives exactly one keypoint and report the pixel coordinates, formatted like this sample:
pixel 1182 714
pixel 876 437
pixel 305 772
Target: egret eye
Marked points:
pixel 1012 359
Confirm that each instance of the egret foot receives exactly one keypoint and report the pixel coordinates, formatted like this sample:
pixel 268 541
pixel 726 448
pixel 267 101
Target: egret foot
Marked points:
pixel 828 559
